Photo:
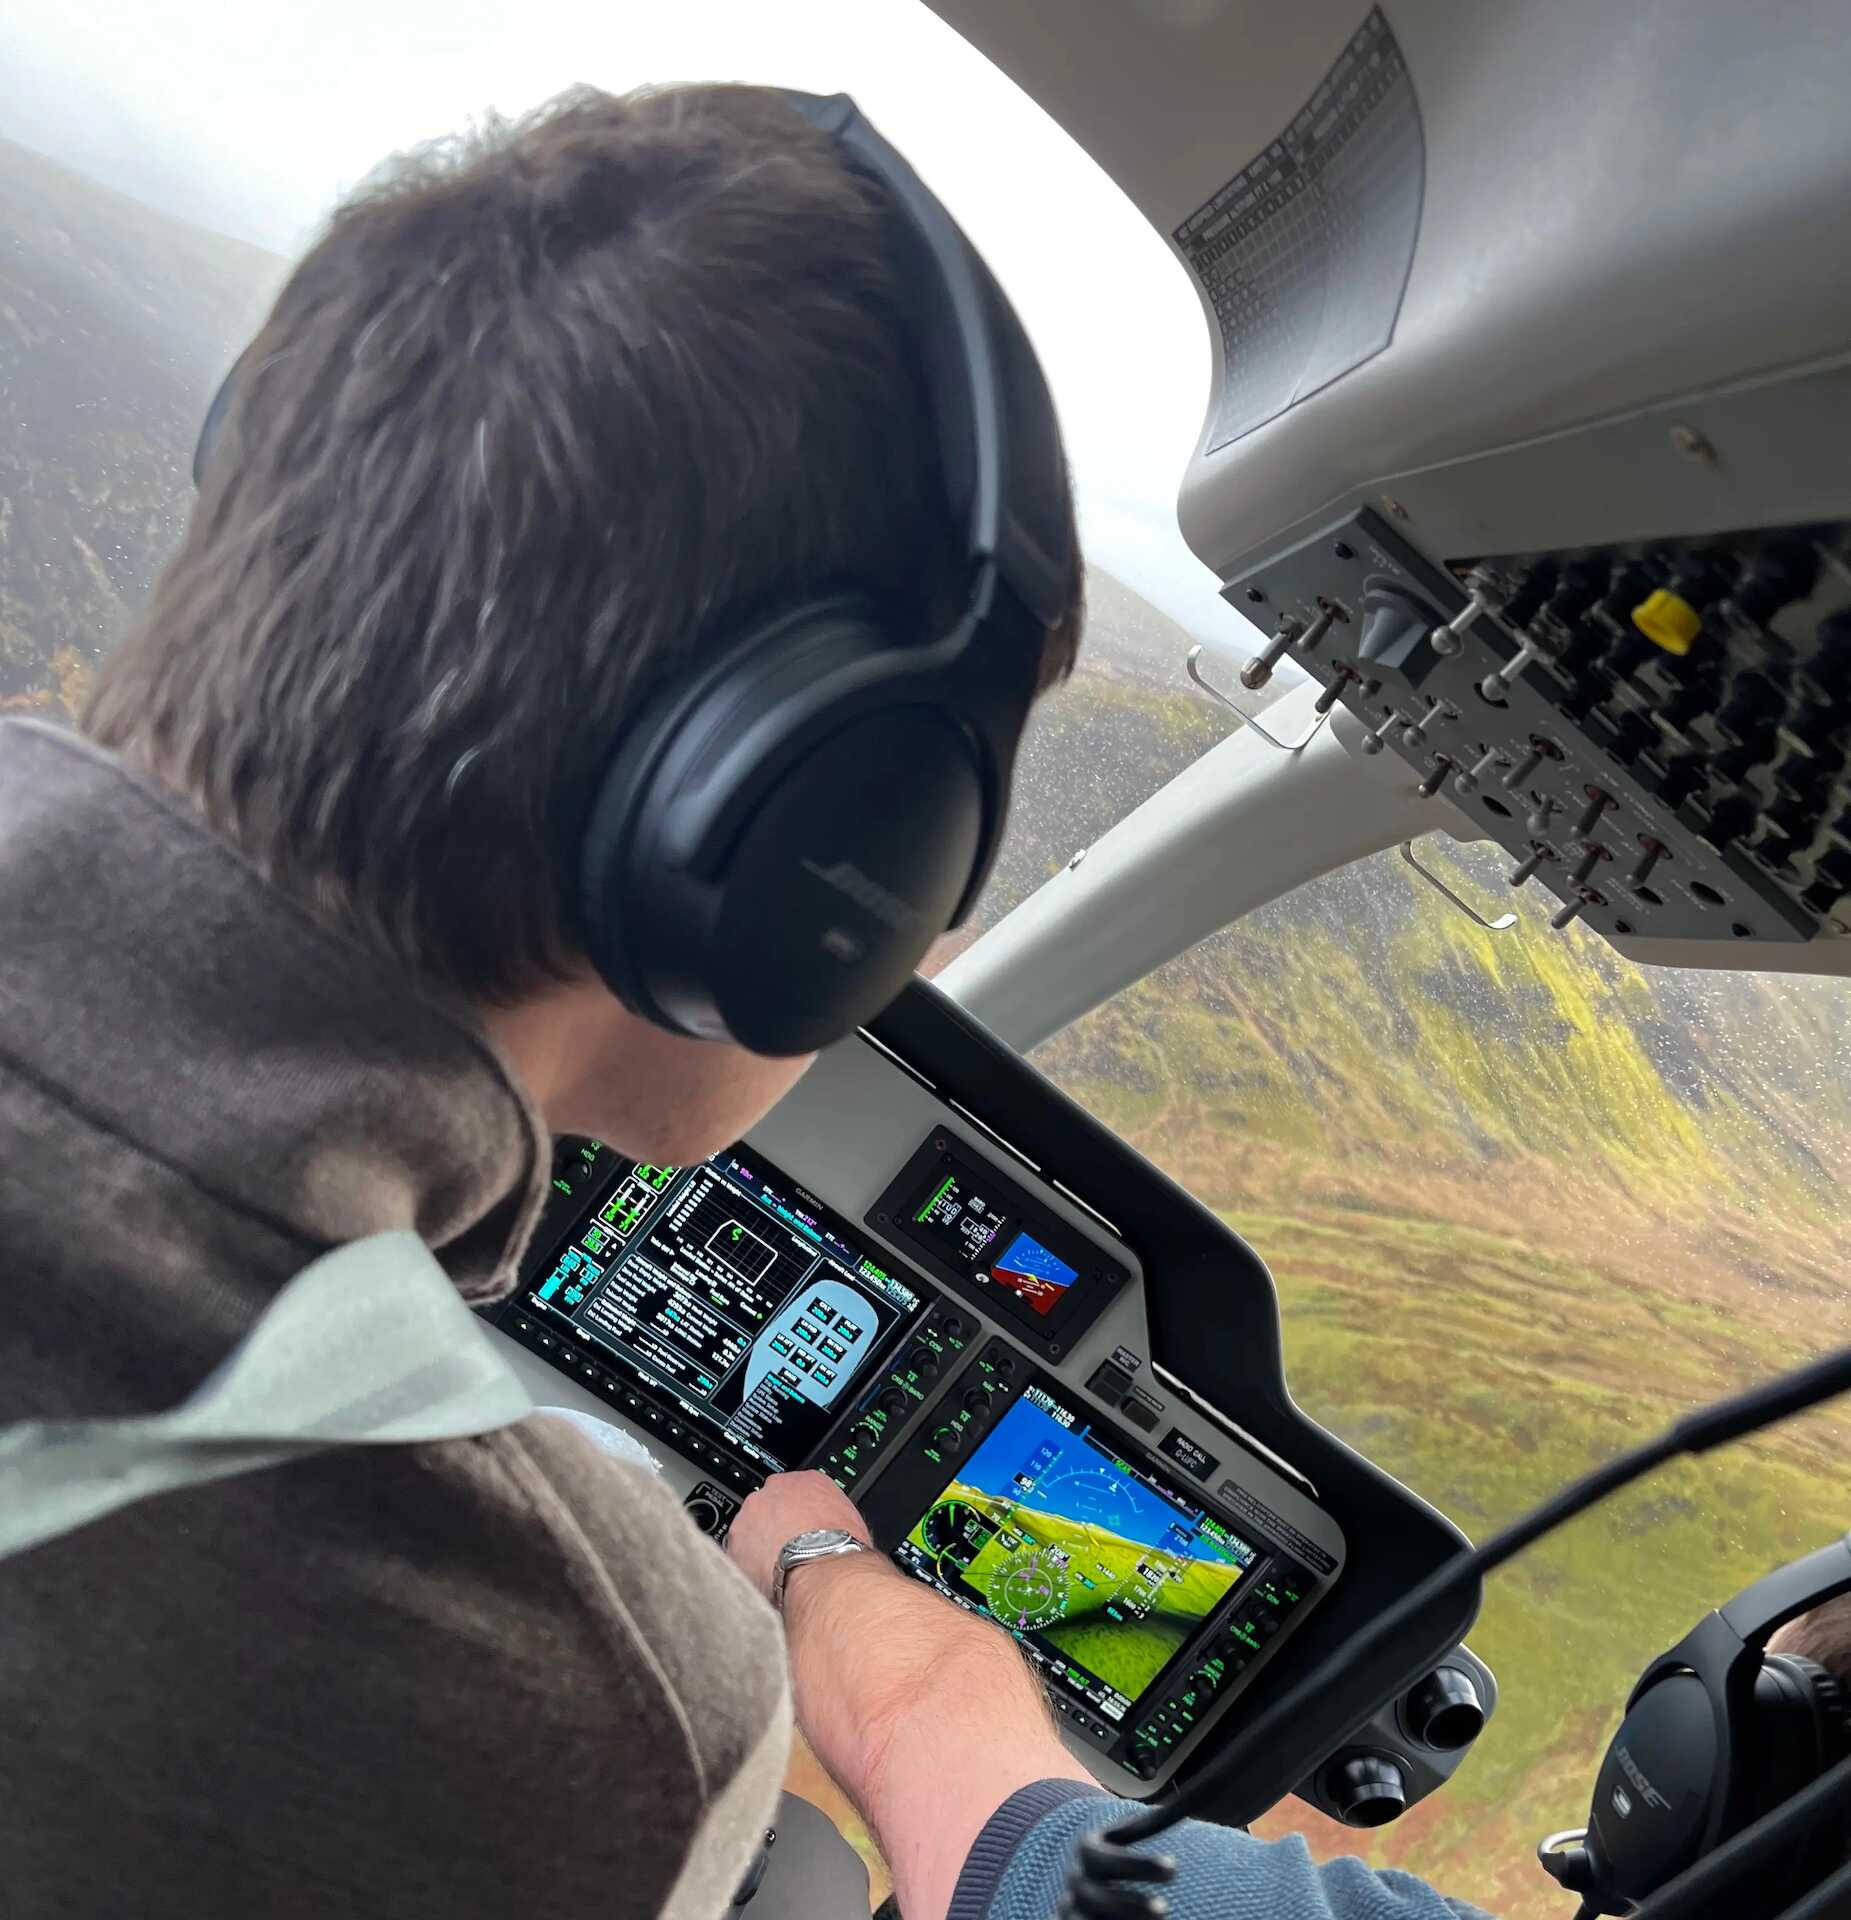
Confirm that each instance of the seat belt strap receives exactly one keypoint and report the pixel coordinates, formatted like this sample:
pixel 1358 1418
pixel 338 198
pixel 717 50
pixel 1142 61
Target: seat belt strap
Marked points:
pixel 369 1346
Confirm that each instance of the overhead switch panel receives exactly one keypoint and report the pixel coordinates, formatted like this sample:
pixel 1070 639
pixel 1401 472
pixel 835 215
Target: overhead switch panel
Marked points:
pixel 1659 735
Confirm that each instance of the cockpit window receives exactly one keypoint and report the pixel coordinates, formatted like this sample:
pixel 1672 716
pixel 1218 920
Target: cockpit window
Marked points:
pixel 1524 1203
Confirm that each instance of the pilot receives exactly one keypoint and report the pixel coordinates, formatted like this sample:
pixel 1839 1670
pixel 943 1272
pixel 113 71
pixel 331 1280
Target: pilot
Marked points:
pixel 290 961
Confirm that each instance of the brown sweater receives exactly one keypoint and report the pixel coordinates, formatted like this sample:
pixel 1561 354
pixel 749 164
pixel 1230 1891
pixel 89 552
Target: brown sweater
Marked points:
pixel 490 1677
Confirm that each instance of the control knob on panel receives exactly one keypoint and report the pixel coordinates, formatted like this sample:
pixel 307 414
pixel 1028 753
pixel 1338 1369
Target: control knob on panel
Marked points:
pixel 948 1439
pixel 891 1401
pixel 923 1362
pixel 1444 1710
pixel 1366 1789
pixel 977 1403
pixel 704 1514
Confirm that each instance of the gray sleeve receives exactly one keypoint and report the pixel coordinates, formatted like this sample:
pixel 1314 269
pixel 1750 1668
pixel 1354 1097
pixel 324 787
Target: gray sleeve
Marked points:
pixel 1020 1862
pixel 685 1632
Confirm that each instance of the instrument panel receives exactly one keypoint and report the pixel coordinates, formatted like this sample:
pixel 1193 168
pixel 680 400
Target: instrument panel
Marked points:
pixel 880 1285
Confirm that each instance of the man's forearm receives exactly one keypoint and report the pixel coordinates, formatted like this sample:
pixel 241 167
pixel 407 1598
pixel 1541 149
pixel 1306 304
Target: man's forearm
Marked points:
pixel 927 1716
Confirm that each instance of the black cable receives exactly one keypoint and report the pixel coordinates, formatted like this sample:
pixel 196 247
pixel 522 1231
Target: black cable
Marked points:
pixel 1442 1584
pixel 1829 1900
pixel 1698 1890
pixel 1100 1885
pixel 1092 1891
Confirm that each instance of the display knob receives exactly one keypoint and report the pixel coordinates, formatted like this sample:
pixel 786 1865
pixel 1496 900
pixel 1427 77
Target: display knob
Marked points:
pixel 1003 1365
pixel 951 1327
pixel 1445 1711
pixel 977 1402
pixel 1366 1789
pixel 948 1439
pixel 704 1514
pixel 891 1401
pixel 924 1362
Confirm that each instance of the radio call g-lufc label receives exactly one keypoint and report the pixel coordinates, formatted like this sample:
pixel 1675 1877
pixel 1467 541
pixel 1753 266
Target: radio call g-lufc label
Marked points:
pixel 1187 1455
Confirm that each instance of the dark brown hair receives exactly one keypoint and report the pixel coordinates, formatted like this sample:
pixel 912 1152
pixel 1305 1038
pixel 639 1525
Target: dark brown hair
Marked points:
pixel 546 410
pixel 1823 1635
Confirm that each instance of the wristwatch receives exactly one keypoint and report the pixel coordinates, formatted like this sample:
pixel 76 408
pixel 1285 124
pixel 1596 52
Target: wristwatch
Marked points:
pixel 820 1543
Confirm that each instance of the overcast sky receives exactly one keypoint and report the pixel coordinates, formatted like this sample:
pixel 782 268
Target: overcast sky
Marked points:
pixel 253 116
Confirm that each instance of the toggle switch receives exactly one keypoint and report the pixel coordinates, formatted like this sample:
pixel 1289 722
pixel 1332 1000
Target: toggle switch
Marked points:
pixel 1469 777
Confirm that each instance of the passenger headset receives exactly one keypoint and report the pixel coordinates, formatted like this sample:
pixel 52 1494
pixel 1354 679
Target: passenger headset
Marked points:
pixel 777 839
pixel 792 884
pixel 1718 1733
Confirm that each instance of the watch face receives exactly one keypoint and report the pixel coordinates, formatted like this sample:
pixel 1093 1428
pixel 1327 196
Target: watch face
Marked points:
pixel 816 1537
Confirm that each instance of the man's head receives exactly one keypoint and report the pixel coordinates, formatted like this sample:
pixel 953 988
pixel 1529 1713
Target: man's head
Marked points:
pixel 1823 1635
pixel 543 413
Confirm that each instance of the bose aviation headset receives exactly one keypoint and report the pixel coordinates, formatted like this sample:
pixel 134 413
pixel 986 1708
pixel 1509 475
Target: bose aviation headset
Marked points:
pixel 1717 1733
pixel 777 840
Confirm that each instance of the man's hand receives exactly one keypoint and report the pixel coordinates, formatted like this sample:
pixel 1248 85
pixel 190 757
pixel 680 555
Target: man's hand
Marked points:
pixel 926 1716
pixel 786 1505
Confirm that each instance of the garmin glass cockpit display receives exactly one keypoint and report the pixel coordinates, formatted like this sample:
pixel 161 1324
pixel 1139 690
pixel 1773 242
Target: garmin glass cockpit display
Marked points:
pixel 750 1328
pixel 727 1292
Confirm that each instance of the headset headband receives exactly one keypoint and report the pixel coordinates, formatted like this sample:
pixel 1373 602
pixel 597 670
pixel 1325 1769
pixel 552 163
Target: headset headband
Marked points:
pixel 1758 1611
pixel 998 445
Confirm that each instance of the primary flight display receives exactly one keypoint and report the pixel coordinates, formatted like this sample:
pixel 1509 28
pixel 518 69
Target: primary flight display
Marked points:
pixel 1102 1571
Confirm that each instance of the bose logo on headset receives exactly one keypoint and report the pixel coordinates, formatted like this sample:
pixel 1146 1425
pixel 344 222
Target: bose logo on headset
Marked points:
pixel 789 733
pixel 869 895
pixel 1646 1791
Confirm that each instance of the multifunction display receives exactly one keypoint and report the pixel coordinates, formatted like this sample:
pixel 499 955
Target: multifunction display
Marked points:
pixel 1102 1570
pixel 730 1285
pixel 977 1228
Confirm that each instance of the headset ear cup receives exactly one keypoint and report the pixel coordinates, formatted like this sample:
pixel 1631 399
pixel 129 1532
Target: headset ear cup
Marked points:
pixel 1830 1696
pixel 1805 1717
pixel 1656 1788
pixel 616 910
pixel 1798 1720
pixel 774 846
pixel 1801 1722
pixel 842 879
